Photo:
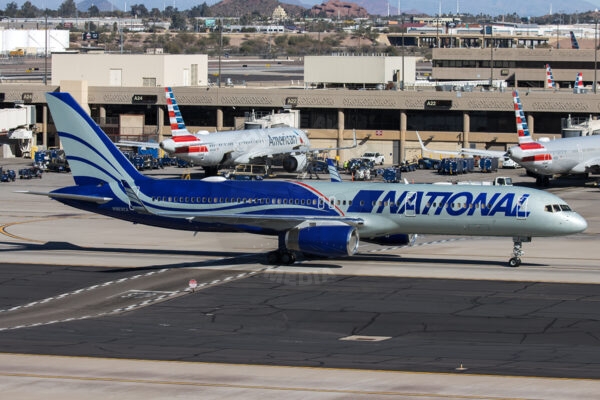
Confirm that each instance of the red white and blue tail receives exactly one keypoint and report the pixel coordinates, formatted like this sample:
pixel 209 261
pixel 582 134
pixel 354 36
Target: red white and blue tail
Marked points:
pixel 522 127
pixel 175 119
pixel 579 81
pixel 549 78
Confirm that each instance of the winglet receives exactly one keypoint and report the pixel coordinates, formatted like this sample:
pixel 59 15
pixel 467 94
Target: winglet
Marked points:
pixel 522 127
pixel 454 153
pixel 333 171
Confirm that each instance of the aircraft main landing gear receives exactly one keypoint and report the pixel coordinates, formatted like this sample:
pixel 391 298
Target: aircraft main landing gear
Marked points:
pixel 281 257
pixel 515 260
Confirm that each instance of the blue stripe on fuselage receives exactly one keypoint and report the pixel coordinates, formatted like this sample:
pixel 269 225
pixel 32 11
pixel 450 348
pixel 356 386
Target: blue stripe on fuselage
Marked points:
pixel 239 196
pixel 423 202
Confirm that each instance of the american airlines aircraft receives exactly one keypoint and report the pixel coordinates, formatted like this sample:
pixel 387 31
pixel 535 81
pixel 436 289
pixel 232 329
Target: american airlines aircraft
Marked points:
pixel 322 218
pixel 227 148
pixel 544 158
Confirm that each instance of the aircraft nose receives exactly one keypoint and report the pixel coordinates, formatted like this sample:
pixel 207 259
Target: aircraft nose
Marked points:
pixel 574 223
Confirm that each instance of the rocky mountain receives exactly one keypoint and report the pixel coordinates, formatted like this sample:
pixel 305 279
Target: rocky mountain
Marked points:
pixel 530 8
pixel 239 8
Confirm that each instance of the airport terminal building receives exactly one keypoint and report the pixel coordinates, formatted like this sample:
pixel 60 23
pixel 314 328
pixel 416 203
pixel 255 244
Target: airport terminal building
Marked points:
pixel 125 95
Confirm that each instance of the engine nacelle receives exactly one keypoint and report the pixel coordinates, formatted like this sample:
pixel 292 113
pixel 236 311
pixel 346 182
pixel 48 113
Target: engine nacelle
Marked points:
pixel 400 239
pixel 335 240
pixel 294 163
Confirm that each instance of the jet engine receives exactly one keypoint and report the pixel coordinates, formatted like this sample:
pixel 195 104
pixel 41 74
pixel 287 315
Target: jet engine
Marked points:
pixel 400 239
pixel 294 162
pixel 331 240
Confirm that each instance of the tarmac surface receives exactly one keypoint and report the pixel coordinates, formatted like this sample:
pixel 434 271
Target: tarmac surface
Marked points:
pixel 94 307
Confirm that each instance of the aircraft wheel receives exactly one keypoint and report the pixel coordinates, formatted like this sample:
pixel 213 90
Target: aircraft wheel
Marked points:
pixel 273 258
pixel 514 262
pixel 288 258
pixel 546 181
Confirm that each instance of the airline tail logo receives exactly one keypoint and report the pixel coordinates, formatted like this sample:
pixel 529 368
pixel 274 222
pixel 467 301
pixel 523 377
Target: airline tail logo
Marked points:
pixel 579 81
pixel 522 128
pixel 549 78
pixel 574 43
pixel 175 118
pixel 93 158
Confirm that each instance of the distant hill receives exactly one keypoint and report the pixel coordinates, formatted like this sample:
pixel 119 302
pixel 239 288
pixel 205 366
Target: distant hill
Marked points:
pixel 103 5
pixel 239 8
pixel 530 8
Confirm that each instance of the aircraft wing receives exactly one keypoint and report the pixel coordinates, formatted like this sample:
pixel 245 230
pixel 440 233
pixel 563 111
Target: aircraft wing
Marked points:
pixel 275 222
pixel 353 145
pixel 149 145
pixel 590 166
pixel 483 153
pixel 463 151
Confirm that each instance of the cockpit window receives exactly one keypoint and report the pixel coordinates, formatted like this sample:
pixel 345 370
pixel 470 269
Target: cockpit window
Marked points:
pixel 557 207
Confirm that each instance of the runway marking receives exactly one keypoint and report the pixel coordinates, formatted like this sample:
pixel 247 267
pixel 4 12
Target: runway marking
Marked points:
pixel 74 292
pixel 164 296
pixel 10 235
pixel 252 387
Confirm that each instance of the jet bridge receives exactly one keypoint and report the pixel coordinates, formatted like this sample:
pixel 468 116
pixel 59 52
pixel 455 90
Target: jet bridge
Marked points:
pixel 17 126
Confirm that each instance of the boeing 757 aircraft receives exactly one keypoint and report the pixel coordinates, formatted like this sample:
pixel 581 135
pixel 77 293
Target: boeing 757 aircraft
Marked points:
pixel 325 219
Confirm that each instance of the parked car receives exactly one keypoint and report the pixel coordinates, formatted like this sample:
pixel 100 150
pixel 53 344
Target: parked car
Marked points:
pixel 377 158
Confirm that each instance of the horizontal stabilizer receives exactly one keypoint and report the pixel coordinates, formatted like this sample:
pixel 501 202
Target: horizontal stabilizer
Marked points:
pixel 149 145
pixel 66 196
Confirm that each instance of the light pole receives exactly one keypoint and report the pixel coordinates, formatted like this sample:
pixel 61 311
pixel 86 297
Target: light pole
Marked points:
pixel 403 50
pixel 595 51
pixel 491 57
pixel 220 48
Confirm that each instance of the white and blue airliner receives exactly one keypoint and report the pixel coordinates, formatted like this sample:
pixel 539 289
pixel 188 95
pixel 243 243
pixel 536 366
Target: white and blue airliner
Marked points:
pixel 325 219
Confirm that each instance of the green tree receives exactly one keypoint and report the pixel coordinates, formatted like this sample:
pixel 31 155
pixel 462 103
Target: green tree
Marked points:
pixel 94 11
pixel 11 9
pixel 139 10
pixel 178 21
pixel 28 10
pixel 67 9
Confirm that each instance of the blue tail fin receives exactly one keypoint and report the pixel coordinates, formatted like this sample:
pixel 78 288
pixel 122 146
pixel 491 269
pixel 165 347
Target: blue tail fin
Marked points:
pixel 92 157
pixel 574 43
pixel 333 171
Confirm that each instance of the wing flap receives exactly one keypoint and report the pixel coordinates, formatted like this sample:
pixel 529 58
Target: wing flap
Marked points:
pixel 275 222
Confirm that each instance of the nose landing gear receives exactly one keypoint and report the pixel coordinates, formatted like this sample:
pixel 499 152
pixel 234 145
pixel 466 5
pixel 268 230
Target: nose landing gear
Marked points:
pixel 515 260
